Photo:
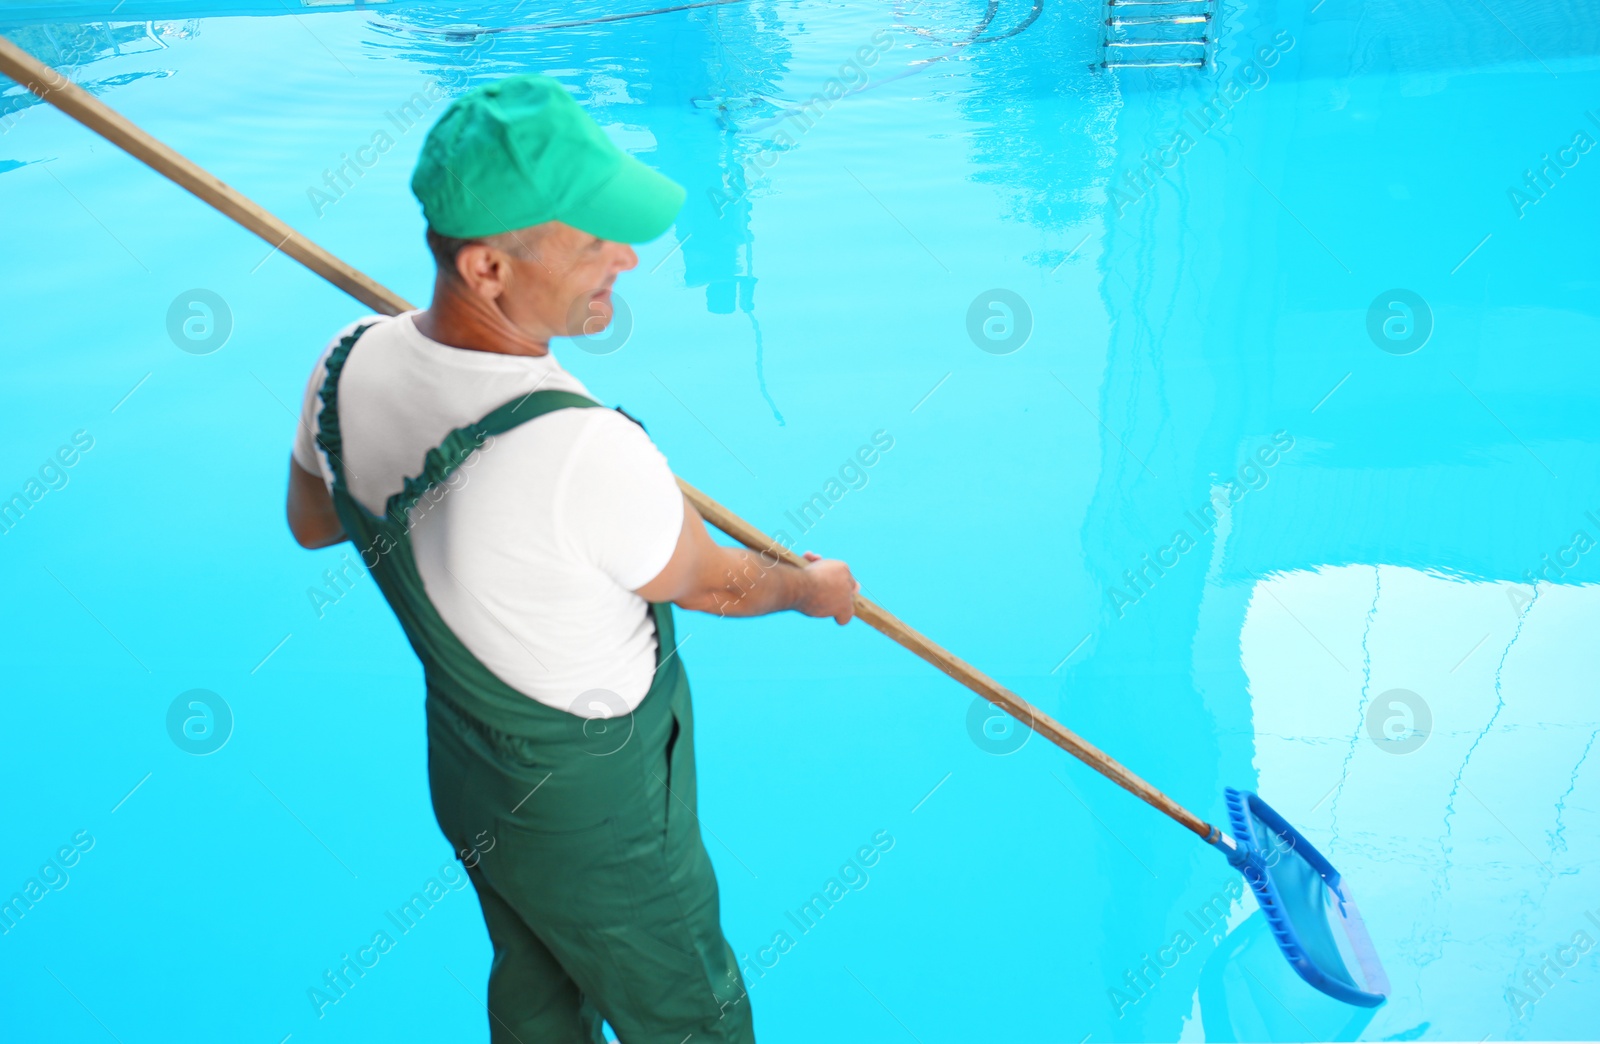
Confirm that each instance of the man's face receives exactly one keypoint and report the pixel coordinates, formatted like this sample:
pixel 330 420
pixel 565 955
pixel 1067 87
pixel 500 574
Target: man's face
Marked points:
pixel 561 280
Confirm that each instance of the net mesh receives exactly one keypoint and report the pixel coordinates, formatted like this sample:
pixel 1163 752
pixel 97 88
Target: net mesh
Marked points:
pixel 1305 902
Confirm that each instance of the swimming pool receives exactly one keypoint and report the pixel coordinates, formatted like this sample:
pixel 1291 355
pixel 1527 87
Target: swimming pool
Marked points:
pixel 1353 316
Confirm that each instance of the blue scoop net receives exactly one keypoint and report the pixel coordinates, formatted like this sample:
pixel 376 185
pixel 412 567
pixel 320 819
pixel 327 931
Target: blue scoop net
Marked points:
pixel 1306 903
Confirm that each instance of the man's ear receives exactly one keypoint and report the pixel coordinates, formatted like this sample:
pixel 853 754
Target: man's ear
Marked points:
pixel 482 269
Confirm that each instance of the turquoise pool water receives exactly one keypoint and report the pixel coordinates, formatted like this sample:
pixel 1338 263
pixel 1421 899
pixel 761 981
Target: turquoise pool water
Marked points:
pixel 1341 338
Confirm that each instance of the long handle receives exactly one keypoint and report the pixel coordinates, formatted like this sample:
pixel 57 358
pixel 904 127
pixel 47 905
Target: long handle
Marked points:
pixel 82 106
pixel 962 671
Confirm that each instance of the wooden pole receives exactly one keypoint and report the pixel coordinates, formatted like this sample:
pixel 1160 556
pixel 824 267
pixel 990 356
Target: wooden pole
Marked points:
pixel 957 668
pixel 90 111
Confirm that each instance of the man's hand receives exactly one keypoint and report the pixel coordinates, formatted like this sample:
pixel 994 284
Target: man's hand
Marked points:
pixel 832 589
pixel 731 581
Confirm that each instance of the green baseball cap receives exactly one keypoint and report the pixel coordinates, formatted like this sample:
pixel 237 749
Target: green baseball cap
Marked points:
pixel 520 152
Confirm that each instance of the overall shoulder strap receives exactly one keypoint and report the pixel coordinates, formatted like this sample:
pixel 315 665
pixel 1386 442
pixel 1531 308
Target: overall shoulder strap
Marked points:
pixel 461 443
pixel 327 433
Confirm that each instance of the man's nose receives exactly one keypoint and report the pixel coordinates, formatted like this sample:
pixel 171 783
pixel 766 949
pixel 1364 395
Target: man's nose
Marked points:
pixel 626 258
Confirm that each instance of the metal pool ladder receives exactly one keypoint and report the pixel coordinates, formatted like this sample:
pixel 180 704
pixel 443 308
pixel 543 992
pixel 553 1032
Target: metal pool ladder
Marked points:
pixel 1157 34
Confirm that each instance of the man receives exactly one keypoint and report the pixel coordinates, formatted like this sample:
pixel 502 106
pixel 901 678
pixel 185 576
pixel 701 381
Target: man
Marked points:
pixel 530 543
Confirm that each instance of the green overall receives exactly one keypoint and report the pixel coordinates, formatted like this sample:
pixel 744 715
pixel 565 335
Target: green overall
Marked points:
pixel 580 836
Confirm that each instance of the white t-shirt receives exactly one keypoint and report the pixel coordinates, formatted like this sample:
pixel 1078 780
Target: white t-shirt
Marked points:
pixel 533 551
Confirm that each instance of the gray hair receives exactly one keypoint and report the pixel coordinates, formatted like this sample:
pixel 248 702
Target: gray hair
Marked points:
pixel 520 243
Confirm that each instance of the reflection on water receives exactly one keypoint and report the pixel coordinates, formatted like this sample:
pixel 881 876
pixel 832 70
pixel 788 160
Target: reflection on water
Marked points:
pixel 1028 96
pixel 1461 842
pixel 73 48
pixel 1249 993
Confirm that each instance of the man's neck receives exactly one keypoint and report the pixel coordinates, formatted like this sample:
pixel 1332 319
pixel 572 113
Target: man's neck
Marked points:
pixel 462 320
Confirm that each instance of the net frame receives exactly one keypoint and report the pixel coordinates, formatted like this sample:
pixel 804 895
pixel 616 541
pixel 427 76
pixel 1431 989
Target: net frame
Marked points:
pixel 1278 862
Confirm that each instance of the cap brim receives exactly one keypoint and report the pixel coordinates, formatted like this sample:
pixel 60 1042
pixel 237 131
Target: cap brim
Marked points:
pixel 635 205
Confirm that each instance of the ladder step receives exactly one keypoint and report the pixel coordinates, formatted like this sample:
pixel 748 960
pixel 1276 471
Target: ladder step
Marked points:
pixel 1152 3
pixel 1152 65
pixel 1158 43
pixel 1169 20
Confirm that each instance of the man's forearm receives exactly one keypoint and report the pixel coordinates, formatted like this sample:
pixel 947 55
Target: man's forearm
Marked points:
pixel 312 518
pixel 751 586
